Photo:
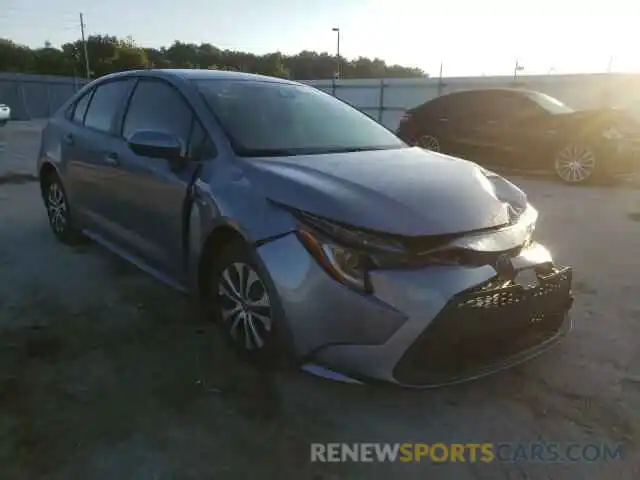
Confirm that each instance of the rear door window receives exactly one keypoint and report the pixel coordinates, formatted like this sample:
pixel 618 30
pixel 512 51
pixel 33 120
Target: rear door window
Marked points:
pixel 105 104
pixel 434 109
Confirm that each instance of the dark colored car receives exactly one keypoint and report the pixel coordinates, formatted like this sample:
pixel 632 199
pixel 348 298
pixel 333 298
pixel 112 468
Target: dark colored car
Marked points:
pixel 312 233
pixel 526 130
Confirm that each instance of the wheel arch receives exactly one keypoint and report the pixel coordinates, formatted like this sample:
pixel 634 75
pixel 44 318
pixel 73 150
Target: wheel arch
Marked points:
pixel 218 238
pixel 227 233
pixel 47 171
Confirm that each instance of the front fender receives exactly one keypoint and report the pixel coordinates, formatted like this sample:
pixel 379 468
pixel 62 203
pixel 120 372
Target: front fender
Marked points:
pixel 230 202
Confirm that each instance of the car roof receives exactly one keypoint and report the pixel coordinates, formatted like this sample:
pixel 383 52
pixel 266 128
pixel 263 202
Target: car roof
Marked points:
pixel 521 91
pixel 199 74
pixel 452 95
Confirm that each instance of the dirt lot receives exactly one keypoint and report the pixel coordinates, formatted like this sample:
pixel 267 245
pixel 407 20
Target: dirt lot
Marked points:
pixel 106 374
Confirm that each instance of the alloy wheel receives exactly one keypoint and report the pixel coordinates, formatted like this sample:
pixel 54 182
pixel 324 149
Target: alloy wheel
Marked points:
pixel 575 163
pixel 429 142
pixel 57 208
pixel 245 307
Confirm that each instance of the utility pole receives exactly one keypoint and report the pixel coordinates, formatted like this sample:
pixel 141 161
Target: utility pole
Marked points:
pixel 610 64
pixel 339 73
pixel 516 69
pixel 84 46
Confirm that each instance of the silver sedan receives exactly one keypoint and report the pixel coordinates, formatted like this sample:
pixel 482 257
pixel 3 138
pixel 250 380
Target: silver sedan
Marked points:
pixel 313 235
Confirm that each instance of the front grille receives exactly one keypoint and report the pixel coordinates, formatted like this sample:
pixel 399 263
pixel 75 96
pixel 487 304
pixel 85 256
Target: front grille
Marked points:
pixel 485 325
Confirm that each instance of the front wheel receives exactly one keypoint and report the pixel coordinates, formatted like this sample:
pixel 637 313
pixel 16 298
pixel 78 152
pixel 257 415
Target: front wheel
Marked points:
pixel 576 163
pixel 245 307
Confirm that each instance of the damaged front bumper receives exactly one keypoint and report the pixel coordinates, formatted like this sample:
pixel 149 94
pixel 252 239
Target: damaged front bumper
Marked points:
pixel 488 328
pixel 420 327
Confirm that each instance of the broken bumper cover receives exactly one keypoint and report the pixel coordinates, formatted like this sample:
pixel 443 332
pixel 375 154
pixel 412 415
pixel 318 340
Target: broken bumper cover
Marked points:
pixel 487 329
pixel 481 329
pixel 423 326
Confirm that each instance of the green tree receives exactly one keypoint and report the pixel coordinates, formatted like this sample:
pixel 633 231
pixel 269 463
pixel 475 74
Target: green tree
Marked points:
pixel 51 61
pixel 128 57
pixel 15 58
pixel 109 54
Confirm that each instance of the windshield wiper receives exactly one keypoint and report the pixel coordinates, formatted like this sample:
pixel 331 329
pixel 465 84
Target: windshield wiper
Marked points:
pixel 268 152
pixel 289 152
pixel 357 149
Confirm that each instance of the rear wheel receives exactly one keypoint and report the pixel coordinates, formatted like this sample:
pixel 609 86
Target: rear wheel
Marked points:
pixel 58 212
pixel 576 163
pixel 429 142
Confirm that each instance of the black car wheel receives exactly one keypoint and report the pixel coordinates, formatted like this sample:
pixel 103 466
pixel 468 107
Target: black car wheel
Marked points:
pixel 246 307
pixel 429 142
pixel 57 204
pixel 576 163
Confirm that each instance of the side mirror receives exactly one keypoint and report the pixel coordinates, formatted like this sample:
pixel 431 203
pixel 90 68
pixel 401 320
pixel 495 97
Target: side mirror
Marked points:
pixel 148 143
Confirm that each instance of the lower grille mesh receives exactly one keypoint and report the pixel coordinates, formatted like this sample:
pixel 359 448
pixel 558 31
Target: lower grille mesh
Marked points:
pixel 480 327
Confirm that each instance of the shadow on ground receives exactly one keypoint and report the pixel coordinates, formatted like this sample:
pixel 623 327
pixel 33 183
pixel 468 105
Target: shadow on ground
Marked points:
pixel 77 385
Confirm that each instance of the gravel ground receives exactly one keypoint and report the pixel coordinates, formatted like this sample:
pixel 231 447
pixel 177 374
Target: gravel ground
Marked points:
pixel 106 374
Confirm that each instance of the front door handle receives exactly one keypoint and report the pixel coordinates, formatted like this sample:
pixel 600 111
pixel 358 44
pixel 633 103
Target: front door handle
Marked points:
pixel 112 158
pixel 68 139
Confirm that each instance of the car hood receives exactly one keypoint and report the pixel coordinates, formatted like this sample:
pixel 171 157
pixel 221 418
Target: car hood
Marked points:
pixel 600 121
pixel 407 191
pixel 605 115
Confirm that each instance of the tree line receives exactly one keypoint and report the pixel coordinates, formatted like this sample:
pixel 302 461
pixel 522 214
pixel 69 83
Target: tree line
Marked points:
pixel 109 54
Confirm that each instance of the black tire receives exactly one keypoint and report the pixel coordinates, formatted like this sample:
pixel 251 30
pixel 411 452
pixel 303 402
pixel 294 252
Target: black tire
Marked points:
pixel 255 331
pixel 58 211
pixel 578 163
pixel 3 123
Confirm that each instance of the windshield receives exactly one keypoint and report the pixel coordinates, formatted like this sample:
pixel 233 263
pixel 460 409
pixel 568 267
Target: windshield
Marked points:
pixel 278 119
pixel 550 104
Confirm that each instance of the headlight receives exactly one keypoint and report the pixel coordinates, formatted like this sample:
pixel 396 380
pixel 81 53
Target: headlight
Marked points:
pixel 346 254
pixel 520 233
pixel 612 133
pixel 346 265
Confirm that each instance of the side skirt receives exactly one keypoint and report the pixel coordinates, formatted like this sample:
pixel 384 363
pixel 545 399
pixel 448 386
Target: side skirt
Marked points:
pixel 138 262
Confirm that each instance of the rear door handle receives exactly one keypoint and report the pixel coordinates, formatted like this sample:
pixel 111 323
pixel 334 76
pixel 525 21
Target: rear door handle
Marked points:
pixel 112 158
pixel 68 139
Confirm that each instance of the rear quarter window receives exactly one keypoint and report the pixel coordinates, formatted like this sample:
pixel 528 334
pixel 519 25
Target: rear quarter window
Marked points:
pixel 80 108
pixel 439 107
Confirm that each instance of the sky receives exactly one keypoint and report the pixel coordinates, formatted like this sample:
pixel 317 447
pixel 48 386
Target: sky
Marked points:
pixel 468 37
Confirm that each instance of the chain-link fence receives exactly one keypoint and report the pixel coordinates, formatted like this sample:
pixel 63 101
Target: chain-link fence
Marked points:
pixel 36 96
